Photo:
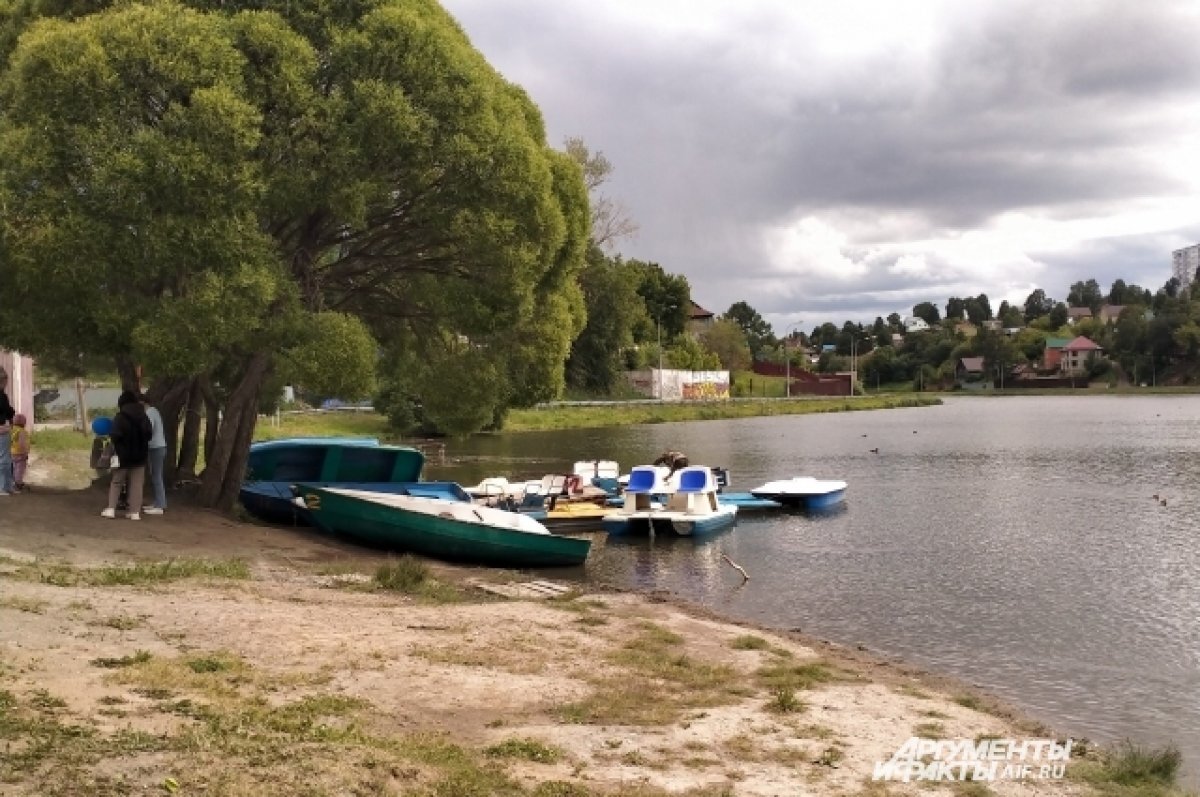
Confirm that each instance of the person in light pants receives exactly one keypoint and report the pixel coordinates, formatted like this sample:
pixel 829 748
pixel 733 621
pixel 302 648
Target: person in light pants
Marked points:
pixel 157 459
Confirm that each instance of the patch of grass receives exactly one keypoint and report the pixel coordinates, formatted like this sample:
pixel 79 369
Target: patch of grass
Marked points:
pixel 169 570
pixel 971 789
pixel 560 788
pixel 929 730
pixel 749 642
pixel 137 574
pixel 411 576
pixel 140 657
pixel 815 732
pixel 591 620
pixel 120 622
pixel 784 701
pixel 969 701
pixel 519 654
pixel 795 676
pixel 525 749
pixel 652 660
pixel 30 605
pixel 1129 770
pixel 913 691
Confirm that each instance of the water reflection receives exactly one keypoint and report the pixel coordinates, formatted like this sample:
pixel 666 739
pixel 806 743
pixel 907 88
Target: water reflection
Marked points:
pixel 1012 542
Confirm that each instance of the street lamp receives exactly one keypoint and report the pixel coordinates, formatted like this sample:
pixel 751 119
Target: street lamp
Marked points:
pixel 658 331
pixel 854 362
pixel 787 361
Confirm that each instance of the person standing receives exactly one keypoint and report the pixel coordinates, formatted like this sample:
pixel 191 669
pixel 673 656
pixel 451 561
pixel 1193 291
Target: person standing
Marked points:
pixel 6 417
pixel 20 451
pixel 157 459
pixel 130 435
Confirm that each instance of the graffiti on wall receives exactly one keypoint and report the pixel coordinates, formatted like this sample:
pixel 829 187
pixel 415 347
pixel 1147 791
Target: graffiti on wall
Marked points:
pixel 705 391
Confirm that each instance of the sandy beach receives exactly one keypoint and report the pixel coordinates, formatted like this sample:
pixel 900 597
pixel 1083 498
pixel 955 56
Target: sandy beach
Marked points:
pixel 194 654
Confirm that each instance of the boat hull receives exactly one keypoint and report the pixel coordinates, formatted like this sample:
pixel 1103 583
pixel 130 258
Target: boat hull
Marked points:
pixel 815 501
pixel 803 492
pixel 272 502
pixel 693 526
pixel 440 536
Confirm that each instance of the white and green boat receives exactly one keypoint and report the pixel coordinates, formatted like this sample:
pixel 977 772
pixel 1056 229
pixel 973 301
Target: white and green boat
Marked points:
pixel 452 530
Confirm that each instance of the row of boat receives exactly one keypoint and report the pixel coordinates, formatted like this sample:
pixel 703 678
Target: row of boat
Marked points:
pixel 374 493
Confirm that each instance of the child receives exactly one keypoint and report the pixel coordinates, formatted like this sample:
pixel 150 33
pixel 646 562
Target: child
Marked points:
pixel 20 451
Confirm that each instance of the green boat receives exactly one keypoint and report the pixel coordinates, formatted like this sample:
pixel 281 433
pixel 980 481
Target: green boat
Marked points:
pixel 452 530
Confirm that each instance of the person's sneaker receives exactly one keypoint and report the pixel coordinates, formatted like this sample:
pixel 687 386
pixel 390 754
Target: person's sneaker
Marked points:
pixel 151 510
pixel 108 513
pixel 134 516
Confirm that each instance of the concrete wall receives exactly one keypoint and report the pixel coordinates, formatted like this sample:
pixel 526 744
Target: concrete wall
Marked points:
pixel 671 385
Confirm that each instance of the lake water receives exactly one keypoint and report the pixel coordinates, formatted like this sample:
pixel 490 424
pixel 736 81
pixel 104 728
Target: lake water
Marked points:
pixel 1012 542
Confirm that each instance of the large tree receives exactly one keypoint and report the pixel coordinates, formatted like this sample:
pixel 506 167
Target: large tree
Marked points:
pixel 727 340
pixel 759 335
pixel 928 312
pixel 216 190
pixel 614 310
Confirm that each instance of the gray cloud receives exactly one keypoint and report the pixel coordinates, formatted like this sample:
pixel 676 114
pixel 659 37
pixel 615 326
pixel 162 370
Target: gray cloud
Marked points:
pixel 721 133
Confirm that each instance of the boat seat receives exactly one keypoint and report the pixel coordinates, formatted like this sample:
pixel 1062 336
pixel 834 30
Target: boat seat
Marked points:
pixel 642 479
pixel 696 480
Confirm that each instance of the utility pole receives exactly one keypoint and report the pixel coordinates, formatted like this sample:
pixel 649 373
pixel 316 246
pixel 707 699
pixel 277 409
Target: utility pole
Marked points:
pixel 787 360
pixel 658 330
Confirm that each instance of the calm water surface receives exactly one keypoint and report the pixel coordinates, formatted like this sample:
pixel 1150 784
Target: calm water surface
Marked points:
pixel 1012 542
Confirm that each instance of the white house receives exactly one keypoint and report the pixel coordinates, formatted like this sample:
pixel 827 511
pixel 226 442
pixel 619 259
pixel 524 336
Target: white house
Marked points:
pixel 915 324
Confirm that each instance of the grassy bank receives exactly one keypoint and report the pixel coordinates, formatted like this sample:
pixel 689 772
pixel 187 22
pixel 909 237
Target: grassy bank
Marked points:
pixel 582 416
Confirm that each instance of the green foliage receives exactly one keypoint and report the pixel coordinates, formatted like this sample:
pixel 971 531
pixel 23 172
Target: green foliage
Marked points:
pixel 927 311
pixel 758 333
pixel 668 302
pixel 338 357
pixel 191 185
pixel 687 354
pixel 727 341
pixel 614 310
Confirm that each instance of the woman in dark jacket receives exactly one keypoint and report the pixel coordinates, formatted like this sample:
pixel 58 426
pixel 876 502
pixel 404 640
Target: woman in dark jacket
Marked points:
pixel 6 417
pixel 131 431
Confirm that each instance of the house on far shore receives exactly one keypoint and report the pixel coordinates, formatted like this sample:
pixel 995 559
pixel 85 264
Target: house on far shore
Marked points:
pixel 1109 313
pixel 1078 314
pixel 915 324
pixel 1053 353
pixel 20 391
pixel 968 373
pixel 1075 355
pixel 699 320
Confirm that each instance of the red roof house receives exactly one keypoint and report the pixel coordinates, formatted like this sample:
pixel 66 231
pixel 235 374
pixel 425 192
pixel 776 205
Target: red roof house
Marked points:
pixel 1075 354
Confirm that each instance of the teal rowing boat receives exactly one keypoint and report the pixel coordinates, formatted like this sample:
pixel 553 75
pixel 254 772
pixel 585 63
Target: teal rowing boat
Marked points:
pixel 453 530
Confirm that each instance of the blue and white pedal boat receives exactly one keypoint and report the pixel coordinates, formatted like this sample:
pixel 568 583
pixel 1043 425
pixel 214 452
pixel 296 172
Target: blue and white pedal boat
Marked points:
pixel 803 492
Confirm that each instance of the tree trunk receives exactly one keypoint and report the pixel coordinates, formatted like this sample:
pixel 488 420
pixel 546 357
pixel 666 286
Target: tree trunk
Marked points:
pixel 225 467
pixel 189 447
pixel 212 416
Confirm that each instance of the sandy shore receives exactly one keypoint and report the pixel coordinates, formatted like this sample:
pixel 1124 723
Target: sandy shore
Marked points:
pixel 268 661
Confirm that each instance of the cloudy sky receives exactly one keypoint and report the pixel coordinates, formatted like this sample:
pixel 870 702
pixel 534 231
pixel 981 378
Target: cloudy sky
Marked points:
pixel 834 159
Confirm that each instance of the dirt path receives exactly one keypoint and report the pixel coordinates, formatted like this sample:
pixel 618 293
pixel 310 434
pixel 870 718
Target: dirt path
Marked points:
pixel 268 661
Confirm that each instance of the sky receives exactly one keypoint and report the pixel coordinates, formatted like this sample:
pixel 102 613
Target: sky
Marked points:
pixel 846 159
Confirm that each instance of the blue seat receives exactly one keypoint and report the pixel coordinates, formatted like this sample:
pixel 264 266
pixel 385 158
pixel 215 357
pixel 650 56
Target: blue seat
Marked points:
pixel 642 480
pixel 694 480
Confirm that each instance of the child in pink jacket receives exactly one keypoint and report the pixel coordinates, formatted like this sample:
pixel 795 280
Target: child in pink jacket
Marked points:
pixel 20 450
